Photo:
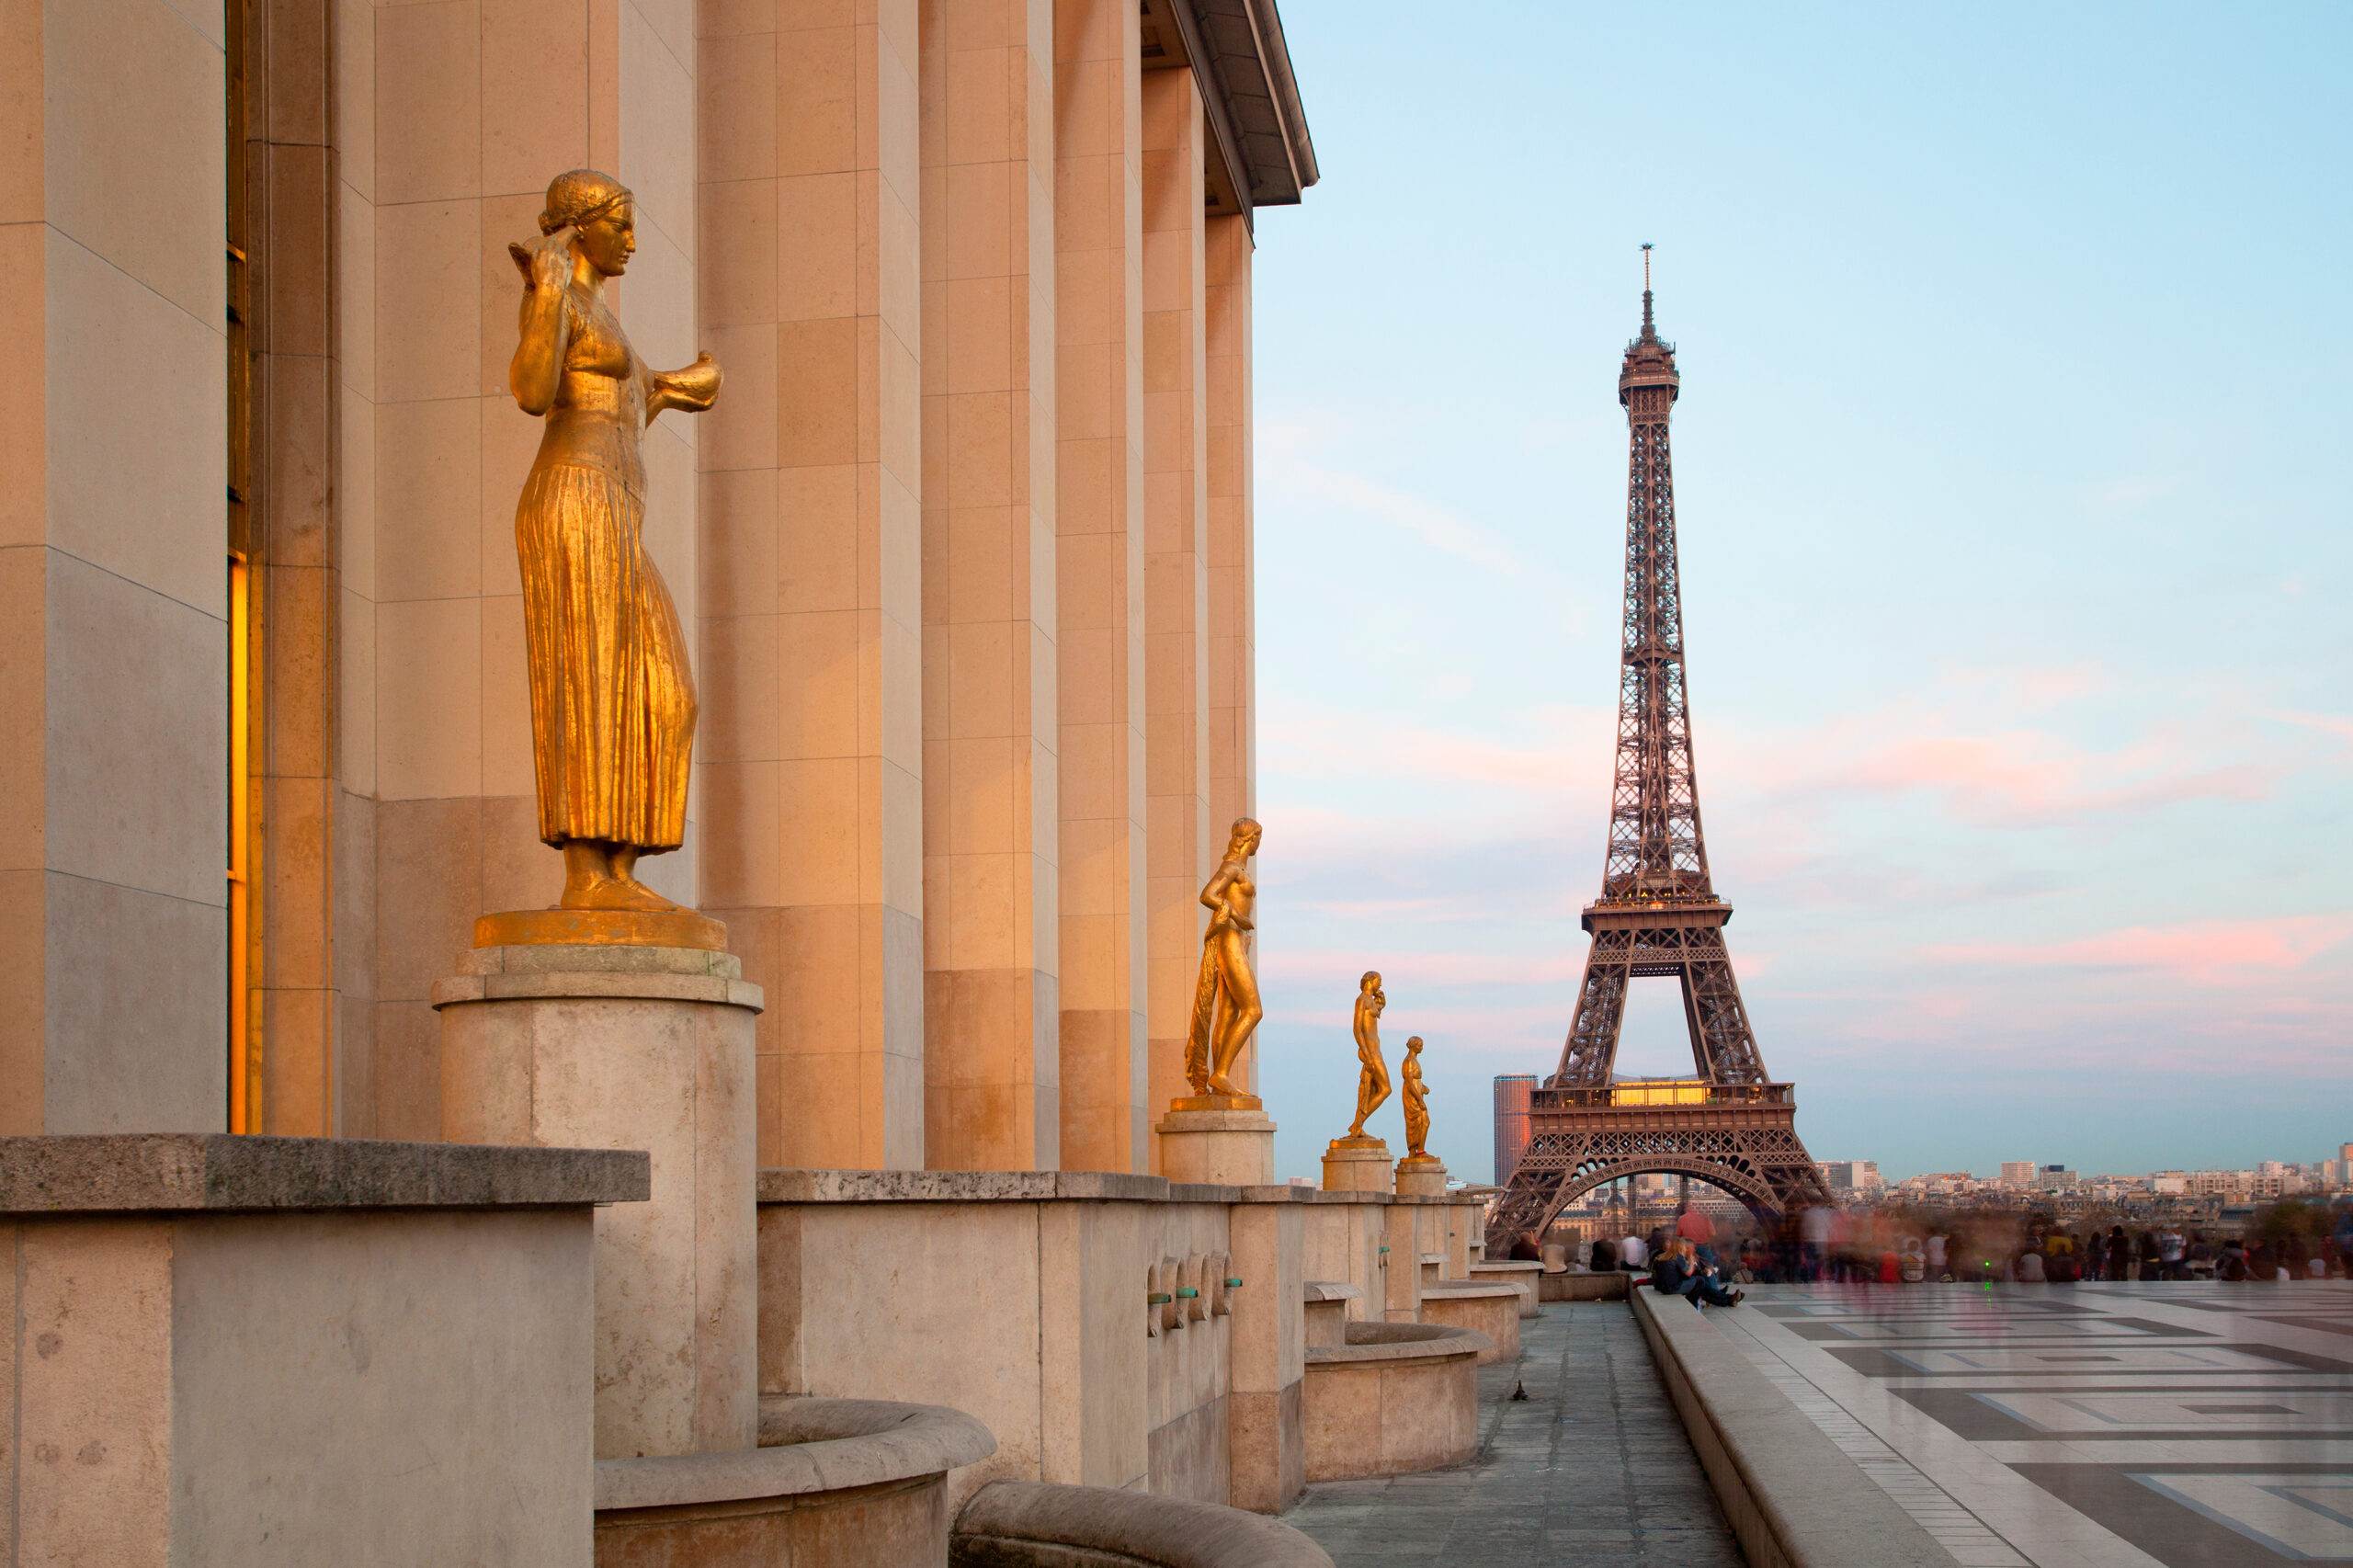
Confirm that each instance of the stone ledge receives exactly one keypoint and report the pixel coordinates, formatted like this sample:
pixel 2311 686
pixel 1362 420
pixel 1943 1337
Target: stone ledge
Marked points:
pixel 213 1172
pixel 1792 1498
pixel 1399 1342
pixel 585 958
pixel 629 986
pixel 1331 1290
pixel 1040 1525
pixel 780 1185
pixel 798 1186
pixel 794 1185
pixel 806 1445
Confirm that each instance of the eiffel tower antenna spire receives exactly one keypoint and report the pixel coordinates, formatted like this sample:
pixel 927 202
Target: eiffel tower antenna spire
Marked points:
pixel 1648 329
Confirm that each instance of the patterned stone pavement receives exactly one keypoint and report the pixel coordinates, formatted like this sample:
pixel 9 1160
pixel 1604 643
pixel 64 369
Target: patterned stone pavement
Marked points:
pixel 1592 1469
pixel 2144 1425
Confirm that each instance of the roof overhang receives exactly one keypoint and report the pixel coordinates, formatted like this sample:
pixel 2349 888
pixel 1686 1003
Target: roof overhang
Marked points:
pixel 1260 154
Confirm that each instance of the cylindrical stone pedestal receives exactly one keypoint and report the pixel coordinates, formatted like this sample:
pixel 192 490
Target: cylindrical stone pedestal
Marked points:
pixel 1231 1143
pixel 1356 1165
pixel 1421 1176
pixel 620 1046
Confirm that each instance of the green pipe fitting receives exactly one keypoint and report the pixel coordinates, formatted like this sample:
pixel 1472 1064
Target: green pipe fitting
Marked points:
pixel 1185 1292
pixel 1158 1299
pixel 1233 1284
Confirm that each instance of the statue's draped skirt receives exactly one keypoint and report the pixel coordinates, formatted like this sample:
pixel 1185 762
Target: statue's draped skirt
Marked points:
pixel 612 694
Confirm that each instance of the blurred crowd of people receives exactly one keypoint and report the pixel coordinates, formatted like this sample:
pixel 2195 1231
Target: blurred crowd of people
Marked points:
pixel 2290 1241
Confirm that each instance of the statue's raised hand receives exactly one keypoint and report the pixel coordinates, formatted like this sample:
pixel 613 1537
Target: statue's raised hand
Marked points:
pixel 546 264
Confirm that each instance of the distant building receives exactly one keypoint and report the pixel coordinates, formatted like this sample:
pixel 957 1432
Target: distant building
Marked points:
pixel 2055 1178
pixel 2018 1173
pixel 1513 1092
pixel 1853 1175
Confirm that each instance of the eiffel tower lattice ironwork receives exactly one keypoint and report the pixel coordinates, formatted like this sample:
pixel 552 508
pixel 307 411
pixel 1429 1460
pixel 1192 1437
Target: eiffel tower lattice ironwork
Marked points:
pixel 1658 913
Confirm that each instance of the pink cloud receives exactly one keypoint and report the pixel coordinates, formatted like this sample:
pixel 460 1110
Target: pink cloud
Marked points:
pixel 2008 776
pixel 1564 747
pixel 2210 953
pixel 1294 967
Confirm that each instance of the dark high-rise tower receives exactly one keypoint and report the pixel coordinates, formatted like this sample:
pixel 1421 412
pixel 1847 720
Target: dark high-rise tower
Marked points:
pixel 1658 913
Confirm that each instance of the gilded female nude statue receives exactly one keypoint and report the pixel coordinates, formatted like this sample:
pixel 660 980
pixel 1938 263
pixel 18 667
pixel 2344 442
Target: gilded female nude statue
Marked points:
pixel 612 695
pixel 1417 1109
pixel 1372 1076
pixel 1225 1001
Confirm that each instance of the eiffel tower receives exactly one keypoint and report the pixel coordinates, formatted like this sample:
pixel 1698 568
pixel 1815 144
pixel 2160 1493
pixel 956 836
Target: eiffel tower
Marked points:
pixel 1658 913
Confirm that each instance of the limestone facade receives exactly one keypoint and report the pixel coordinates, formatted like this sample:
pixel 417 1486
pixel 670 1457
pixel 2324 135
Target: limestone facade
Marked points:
pixel 964 551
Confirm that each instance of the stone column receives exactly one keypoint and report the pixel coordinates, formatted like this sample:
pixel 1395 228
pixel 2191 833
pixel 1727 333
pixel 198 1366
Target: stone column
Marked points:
pixel 811 758
pixel 621 1047
pixel 1100 580
pixel 305 1085
pixel 113 548
pixel 1232 656
pixel 1181 845
pixel 1267 1416
pixel 992 1009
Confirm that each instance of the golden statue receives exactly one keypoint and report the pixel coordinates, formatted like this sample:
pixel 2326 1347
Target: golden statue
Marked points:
pixel 1418 1109
pixel 612 694
pixel 1218 1037
pixel 1372 1077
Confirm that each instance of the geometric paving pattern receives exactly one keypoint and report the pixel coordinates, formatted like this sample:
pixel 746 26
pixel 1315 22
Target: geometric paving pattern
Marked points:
pixel 2111 1426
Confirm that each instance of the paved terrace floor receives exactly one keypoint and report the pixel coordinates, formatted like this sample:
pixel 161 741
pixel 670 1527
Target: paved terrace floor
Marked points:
pixel 2192 1426
pixel 1593 1468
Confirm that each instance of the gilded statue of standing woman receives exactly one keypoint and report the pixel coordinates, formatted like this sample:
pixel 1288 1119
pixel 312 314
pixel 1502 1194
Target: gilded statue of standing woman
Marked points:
pixel 1225 1001
pixel 1417 1102
pixel 1372 1074
pixel 612 695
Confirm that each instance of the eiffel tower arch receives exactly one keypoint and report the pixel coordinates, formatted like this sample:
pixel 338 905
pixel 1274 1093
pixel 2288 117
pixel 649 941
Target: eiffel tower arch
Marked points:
pixel 1658 913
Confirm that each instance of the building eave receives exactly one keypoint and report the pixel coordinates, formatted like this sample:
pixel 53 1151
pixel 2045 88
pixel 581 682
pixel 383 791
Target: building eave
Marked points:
pixel 1261 153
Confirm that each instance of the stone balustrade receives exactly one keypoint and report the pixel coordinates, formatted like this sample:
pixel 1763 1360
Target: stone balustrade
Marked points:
pixel 296 1350
pixel 1328 1311
pixel 1493 1309
pixel 1523 1274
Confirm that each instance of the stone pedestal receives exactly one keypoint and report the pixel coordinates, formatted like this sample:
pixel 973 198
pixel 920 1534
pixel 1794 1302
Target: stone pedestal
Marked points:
pixel 609 1046
pixel 1225 1138
pixel 1420 1175
pixel 1356 1165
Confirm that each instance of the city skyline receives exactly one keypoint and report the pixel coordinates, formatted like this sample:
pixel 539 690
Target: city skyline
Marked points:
pixel 2012 517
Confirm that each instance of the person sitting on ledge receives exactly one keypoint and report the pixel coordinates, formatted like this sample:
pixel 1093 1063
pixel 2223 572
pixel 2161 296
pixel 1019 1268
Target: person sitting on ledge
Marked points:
pixel 1677 1273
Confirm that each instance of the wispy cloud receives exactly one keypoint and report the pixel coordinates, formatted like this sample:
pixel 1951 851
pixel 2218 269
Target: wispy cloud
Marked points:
pixel 2210 953
pixel 2134 492
pixel 1295 464
pixel 2324 723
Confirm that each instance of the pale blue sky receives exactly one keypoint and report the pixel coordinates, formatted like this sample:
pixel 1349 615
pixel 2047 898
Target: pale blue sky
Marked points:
pixel 2013 480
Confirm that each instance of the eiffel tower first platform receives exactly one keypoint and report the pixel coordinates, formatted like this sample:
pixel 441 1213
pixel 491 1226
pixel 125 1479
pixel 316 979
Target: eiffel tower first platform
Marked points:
pixel 1657 914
